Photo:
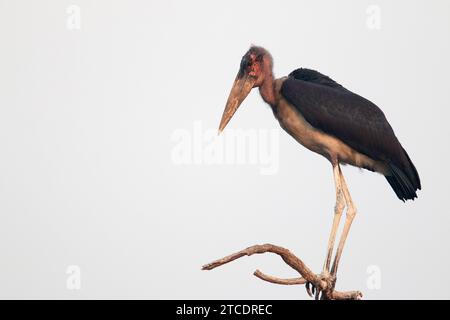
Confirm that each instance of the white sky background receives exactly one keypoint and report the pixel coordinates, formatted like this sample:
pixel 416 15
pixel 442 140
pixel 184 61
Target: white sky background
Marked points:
pixel 87 118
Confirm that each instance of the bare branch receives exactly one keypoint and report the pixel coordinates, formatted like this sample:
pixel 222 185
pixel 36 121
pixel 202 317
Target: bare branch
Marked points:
pixel 321 283
pixel 346 295
pixel 285 254
pixel 272 279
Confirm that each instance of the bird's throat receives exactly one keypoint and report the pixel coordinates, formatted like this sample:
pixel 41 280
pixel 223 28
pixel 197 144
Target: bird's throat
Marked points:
pixel 267 90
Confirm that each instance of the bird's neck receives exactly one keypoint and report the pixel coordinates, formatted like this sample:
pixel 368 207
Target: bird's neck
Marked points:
pixel 267 90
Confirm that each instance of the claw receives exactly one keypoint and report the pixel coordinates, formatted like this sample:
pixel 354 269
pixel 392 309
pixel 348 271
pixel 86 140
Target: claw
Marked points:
pixel 317 294
pixel 308 289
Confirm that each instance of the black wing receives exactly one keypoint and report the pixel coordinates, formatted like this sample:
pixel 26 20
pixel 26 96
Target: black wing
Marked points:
pixel 359 123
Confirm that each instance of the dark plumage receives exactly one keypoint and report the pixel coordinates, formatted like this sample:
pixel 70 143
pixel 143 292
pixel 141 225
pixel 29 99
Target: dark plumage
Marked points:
pixel 329 107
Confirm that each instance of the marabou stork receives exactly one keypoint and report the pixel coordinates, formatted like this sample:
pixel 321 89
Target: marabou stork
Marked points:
pixel 330 120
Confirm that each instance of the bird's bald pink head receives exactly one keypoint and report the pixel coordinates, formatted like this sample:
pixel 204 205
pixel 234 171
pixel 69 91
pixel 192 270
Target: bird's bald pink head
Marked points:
pixel 256 62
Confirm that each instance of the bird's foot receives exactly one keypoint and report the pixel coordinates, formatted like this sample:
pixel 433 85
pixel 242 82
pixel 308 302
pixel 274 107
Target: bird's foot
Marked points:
pixel 325 284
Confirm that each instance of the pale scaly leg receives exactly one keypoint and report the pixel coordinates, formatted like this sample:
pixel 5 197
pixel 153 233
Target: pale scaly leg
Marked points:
pixel 338 209
pixel 350 215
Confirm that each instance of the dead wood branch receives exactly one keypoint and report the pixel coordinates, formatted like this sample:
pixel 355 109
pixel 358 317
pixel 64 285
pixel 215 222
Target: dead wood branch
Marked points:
pixel 276 280
pixel 321 283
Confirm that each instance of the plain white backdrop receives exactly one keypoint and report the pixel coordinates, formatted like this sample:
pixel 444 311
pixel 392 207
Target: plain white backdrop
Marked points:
pixel 93 92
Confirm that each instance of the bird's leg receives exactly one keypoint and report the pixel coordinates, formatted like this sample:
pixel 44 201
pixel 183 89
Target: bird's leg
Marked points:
pixel 351 212
pixel 338 208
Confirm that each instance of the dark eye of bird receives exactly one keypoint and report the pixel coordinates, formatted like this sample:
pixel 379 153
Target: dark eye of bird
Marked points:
pixel 244 63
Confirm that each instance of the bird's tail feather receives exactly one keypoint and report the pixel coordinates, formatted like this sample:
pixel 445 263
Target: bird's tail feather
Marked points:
pixel 405 184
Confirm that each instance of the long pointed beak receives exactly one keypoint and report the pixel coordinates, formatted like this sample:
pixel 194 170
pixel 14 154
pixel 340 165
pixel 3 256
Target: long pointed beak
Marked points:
pixel 242 86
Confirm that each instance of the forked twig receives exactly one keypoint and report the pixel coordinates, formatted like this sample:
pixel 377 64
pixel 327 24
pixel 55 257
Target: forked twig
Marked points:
pixel 320 282
pixel 276 280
